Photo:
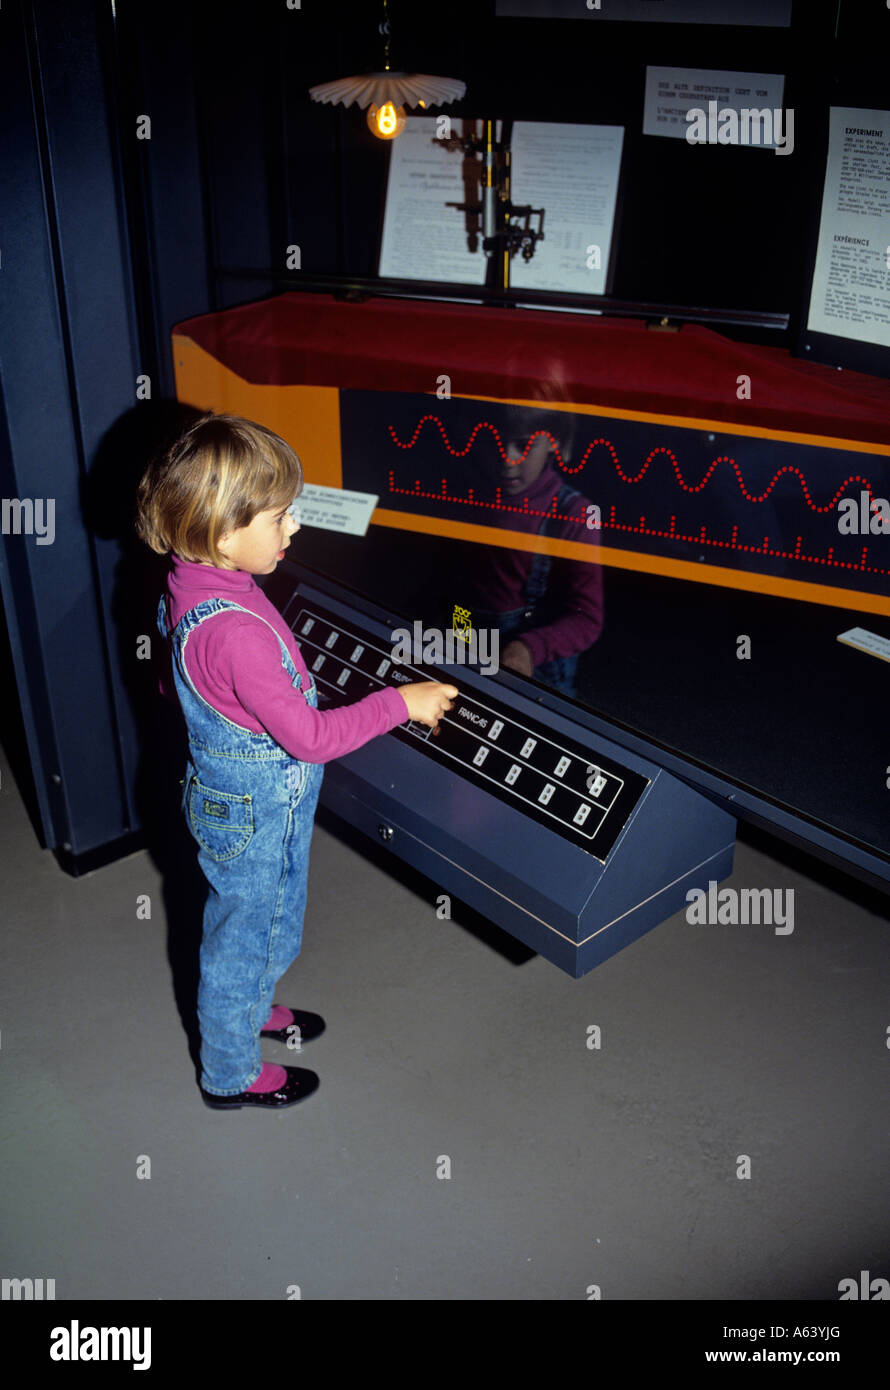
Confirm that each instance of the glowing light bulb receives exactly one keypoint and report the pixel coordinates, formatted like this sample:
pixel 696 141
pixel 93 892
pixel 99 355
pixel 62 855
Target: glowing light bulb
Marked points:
pixel 386 121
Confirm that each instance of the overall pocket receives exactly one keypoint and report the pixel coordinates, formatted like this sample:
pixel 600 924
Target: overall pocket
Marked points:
pixel 221 822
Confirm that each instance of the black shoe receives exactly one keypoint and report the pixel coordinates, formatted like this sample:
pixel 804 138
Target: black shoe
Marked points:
pixel 299 1084
pixel 310 1026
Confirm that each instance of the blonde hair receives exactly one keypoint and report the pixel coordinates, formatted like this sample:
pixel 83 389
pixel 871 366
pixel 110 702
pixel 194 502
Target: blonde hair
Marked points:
pixel 217 475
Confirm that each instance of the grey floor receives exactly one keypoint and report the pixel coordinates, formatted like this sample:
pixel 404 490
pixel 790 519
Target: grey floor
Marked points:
pixel 570 1167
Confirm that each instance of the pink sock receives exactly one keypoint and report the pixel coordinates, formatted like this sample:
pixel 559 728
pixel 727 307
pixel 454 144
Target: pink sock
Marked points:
pixel 280 1017
pixel 269 1079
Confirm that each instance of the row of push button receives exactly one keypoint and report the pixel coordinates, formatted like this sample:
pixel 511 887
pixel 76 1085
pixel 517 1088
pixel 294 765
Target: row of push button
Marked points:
pixel 364 668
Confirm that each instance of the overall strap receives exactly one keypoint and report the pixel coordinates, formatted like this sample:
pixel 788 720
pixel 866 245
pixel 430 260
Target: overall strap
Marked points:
pixel 226 604
pixel 196 707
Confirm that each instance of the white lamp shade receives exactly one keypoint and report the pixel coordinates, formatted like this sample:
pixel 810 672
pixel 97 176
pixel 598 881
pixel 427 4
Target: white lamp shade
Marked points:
pixel 401 88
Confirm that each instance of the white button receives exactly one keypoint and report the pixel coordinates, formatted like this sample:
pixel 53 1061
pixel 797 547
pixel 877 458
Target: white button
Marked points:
pixel 383 667
pixel 343 676
pixel 318 662
pixel 356 653
pixel 332 639
pixel 496 728
pixel 512 774
pixel 481 755
pixel 561 767
pixel 582 813
pixel 307 626
pixel 596 784
pixel 527 747
pixel 546 793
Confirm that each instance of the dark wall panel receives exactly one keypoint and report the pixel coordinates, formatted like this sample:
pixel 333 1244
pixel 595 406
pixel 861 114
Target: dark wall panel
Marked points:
pixel 65 350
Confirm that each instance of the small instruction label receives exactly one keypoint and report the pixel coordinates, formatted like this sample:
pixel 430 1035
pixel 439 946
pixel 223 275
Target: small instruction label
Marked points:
pixel 332 509
pixel 867 642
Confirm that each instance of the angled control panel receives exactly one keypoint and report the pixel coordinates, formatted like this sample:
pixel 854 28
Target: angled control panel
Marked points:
pixel 550 778
pixel 564 839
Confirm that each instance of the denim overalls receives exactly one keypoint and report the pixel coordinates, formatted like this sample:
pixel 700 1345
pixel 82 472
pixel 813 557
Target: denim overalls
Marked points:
pixel 250 806
pixel 561 671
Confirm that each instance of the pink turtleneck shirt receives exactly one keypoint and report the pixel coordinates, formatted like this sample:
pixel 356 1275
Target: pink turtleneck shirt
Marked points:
pixel 234 662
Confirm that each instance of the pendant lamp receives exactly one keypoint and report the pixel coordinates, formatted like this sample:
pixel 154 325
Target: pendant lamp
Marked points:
pixel 385 94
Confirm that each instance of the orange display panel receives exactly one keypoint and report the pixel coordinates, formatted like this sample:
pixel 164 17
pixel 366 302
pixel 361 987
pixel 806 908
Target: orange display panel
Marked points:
pixel 733 505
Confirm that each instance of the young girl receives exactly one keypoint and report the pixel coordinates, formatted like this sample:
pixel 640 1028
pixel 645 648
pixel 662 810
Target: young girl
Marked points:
pixel 219 500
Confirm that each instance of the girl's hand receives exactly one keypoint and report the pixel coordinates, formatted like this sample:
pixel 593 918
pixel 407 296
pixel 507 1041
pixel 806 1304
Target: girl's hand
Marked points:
pixel 518 657
pixel 427 701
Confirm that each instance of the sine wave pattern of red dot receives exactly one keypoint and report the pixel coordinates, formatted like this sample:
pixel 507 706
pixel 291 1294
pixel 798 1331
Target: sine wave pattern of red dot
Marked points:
pixel 700 538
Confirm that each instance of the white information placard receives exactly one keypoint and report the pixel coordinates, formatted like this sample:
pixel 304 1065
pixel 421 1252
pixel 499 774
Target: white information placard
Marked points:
pixel 672 92
pixel 572 171
pixel 333 509
pixel 423 239
pixel 866 642
pixel 850 297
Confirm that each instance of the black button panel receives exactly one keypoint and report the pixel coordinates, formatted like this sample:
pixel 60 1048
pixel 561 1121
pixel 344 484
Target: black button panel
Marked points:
pixel 579 794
